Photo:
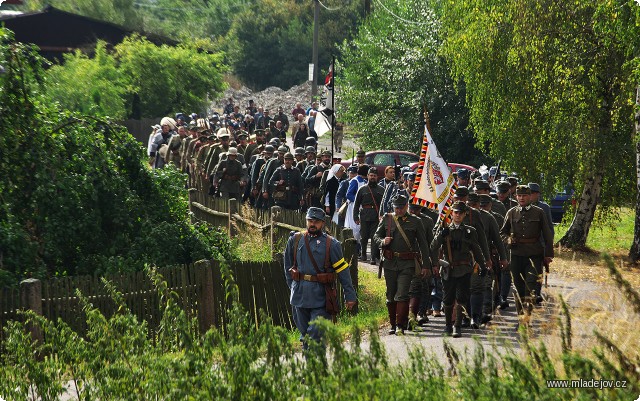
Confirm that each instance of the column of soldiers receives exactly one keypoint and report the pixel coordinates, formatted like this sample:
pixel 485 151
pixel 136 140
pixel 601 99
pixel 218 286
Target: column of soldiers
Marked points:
pixel 489 244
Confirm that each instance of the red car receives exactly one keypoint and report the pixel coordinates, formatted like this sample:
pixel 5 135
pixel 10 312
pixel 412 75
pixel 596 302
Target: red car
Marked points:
pixel 380 159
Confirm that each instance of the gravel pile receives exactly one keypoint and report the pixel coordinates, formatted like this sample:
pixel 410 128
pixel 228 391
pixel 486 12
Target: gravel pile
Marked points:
pixel 271 98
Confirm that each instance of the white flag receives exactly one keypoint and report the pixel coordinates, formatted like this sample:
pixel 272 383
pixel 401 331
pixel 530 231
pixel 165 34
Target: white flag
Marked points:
pixel 324 120
pixel 434 186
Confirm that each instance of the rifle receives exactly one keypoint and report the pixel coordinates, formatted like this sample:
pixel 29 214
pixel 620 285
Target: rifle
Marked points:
pixel 496 174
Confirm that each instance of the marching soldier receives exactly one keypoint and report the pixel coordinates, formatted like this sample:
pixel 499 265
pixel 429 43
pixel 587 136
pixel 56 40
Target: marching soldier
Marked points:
pixel 214 155
pixel 313 261
pixel 231 176
pixel 536 201
pixel 502 276
pixel 265 175
pixel 256 169
pixel 369 198
pixel 405 253
pixel 503 189
pixel 524 226
pixel 482 187
pixel 458 242
pixel 256 147
pixel 464 177
pixel 420 288
pixel 286 185
pixel 481 298
pixel 313 178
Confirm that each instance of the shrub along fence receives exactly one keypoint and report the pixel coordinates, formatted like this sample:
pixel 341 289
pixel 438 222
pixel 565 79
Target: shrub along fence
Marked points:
pixel 201 288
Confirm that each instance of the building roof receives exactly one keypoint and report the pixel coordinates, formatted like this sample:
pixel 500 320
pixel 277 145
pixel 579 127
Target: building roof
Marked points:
pixel 56 32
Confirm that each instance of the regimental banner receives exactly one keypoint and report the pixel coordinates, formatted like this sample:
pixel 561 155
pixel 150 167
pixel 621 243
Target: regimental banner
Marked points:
pixel 434 186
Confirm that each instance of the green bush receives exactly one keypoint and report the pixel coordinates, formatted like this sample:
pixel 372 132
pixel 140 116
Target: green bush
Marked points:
pixel 75 194
pixel 117 360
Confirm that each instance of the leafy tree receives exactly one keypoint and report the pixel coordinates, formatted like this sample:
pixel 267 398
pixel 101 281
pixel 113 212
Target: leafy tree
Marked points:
pixel 121 12
pixel 392 73
pixel 271 43
pixel 75 196
pixel 551 92
pixel 90 86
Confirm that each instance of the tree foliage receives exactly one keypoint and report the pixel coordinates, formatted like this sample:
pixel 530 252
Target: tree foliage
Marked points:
pixel 391 73
pixel 75 196
pixel 271 43
pixel 140 79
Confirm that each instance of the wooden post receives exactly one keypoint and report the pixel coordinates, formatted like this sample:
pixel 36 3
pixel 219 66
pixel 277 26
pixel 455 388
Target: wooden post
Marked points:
pixel 233 209
pixel 193 195
pixel 31 299
pixel 206 298
pixel 275 218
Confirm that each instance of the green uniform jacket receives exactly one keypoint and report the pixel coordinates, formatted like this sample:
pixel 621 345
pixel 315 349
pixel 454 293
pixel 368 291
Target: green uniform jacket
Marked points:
pixel 492 232
pixel 474 220
pixel 292 186
pixel 498 207
pixel 464 245
pixel 370 204
pixel 523 227
pixel 230 173
pixel 415 232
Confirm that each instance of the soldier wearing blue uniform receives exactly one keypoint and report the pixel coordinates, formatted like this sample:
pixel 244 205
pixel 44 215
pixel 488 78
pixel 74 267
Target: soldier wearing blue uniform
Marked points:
pixel 310 263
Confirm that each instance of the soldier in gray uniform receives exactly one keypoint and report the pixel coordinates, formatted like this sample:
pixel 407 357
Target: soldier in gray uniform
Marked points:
pixel 503 189
pixel 368 198
pixel 536 201
pixel 501 276
pixel 265 175
pixel 313 178
pixel 313 260
pixel 230 176
pixel 420 289
pixel 481 298
pixel 286 185
pixel 458 242
pixel 403 240
pixel 256 169
pixel 482 187
pixel 523 227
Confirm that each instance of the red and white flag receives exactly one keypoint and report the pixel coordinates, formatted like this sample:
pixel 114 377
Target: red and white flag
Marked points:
pixel 434 186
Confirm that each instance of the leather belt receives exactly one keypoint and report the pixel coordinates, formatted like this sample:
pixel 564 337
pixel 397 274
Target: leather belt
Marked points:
pixel 326 277
pixel 527 240
pixel 405 255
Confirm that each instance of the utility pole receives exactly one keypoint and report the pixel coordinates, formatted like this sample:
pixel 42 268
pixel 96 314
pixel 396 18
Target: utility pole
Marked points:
pixel 314 57
pixel 367 7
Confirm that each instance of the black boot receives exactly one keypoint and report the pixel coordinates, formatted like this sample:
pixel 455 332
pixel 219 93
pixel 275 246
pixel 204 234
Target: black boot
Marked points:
pixel 457 328
pixel 402 316
pixel 391 308
pixel 448 319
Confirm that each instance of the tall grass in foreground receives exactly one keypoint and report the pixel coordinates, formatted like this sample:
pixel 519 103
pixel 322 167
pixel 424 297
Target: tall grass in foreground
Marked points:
pixel 117 361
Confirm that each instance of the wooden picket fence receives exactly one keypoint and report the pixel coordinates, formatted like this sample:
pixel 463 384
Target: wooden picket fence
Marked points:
pixel 200 288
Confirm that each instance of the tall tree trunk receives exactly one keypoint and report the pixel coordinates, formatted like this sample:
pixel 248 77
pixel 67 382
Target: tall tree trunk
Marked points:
pixel 576 235
pixel 634 252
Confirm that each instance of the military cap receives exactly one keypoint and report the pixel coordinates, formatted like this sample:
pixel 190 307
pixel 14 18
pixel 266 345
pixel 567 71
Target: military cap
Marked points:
pixel 481 184
pixel 503 186
pixel 243 134
pixel 233 144
pixel 259 132
pixel 485 199
pixel 233 151
pixel 461 192
pixel 473 197
pixel 415 206
pixel 459 206
pixel 512 180
pixel 463 173
pixel 363 169
pixel 373 170
pixel 535 187
pixel 274 142
pixel 283 149
pixel 523 190
pixel 299 151
pixel 360 153
pixel 287 155
pixel 325 153
pixel 269 149
pixel 411 176
pixel 310 149
pixel 223 133
pixel 399 201
pixel 211 137
pixel 315 213
pixel 352 169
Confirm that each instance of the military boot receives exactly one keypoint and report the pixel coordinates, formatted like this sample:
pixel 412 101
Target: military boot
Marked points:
pixel 448 319
pixel 402 316
pixel 457 328
pixel 414 304
pixel 391 308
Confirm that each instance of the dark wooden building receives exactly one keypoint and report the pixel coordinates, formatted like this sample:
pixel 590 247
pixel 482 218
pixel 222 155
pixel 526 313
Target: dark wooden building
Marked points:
pixel 57 32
